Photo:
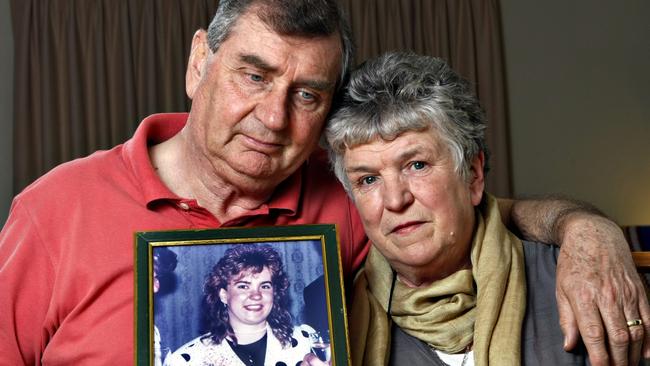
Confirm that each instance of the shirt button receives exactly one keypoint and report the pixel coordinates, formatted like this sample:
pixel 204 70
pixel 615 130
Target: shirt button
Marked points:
pixel 184 206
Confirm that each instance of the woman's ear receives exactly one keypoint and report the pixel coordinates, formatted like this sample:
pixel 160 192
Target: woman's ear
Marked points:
pixel 223 296
pixel 477 178
pixel 196 63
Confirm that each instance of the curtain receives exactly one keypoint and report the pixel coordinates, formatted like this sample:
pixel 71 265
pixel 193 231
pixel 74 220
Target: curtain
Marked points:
pixel 466 34
pixel 87 71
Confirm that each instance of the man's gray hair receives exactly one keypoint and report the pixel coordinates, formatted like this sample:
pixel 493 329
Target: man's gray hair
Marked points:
pixel 400 92
pixel 304 18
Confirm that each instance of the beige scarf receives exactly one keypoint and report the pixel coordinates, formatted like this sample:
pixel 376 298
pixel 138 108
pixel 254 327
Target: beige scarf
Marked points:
pixel 448 314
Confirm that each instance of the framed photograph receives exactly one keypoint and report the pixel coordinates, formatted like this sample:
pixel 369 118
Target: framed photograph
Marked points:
pixel 252 296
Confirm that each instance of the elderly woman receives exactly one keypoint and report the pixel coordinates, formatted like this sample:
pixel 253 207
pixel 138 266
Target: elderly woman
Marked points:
pixel 445 281
pixel 247 297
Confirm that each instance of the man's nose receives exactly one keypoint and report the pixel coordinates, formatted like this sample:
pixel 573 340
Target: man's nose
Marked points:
pixel 272 109
pixel 397 194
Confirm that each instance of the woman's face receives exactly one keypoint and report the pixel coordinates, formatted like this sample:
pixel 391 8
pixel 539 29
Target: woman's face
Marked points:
pixel 249 297
pixel 417 210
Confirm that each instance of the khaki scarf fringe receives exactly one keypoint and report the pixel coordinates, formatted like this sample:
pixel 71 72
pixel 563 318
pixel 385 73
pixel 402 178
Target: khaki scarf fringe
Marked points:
pixel 448 314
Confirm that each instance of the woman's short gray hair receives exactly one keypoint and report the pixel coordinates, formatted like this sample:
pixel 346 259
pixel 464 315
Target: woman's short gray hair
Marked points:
pixel 400 92
pixel 309 18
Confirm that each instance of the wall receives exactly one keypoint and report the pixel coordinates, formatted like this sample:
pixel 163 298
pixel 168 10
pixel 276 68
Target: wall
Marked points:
pixel 6 110
pixel 578 76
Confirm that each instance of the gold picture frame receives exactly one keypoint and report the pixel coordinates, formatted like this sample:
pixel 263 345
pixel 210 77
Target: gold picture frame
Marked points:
pixel 311 259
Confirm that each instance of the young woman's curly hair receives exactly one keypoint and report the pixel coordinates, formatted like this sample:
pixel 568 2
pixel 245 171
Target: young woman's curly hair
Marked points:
pixel 245 258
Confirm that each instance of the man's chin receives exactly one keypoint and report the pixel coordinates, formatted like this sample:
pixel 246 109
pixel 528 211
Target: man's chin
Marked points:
pixel 260 168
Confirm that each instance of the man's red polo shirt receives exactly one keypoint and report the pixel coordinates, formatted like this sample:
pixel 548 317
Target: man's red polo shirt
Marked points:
pixel 66 250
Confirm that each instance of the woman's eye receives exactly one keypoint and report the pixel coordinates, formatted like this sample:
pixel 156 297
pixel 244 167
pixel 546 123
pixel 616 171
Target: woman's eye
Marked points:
pixel 418 165
pixel 267 287
pixel 242 287
pixel 368 180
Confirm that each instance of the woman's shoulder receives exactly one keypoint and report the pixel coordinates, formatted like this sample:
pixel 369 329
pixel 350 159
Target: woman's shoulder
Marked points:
pixel 303 330
pixel 199 351
pixel 292 353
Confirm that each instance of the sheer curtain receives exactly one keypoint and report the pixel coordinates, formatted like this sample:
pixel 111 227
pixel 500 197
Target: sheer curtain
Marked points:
pixel 87 71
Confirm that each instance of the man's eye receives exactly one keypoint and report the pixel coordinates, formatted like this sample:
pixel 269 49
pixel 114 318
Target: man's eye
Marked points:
pixel 256 78
pixel 306 95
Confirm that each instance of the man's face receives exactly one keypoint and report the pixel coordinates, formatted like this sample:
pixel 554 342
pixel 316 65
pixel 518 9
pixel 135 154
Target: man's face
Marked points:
pixel 249 297
pixel 260 102
pixel 417 210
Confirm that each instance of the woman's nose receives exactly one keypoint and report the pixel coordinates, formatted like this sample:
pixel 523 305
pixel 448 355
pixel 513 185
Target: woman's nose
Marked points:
pixel 255 294
pixel 397 194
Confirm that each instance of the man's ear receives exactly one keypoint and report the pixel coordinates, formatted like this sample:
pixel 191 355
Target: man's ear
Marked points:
pixel 477 178
pixel 195 65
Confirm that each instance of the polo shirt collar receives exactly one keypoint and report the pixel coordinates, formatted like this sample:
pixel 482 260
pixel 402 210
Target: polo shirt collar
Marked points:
pixel 160 127
pixel 152 130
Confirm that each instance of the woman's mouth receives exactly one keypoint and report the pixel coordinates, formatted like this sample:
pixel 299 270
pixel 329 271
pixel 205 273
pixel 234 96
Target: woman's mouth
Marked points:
pixel 255 307
pixel 406 228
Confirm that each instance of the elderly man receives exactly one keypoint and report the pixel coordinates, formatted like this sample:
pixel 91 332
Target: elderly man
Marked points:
pixel 445 281
pixel 262 80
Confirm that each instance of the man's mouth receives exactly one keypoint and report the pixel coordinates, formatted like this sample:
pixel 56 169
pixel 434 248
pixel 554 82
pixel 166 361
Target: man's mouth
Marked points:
pixel 263 146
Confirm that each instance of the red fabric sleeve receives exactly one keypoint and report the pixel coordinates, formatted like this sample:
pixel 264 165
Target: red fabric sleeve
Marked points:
pixel 26 274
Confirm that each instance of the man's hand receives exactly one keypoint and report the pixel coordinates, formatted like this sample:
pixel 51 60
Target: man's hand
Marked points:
pixel 599 291
pixel 598 288
pixel 310 359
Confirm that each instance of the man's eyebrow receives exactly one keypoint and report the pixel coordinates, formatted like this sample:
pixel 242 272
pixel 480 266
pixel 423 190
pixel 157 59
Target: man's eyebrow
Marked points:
pixel 320 85
pixel 259 63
